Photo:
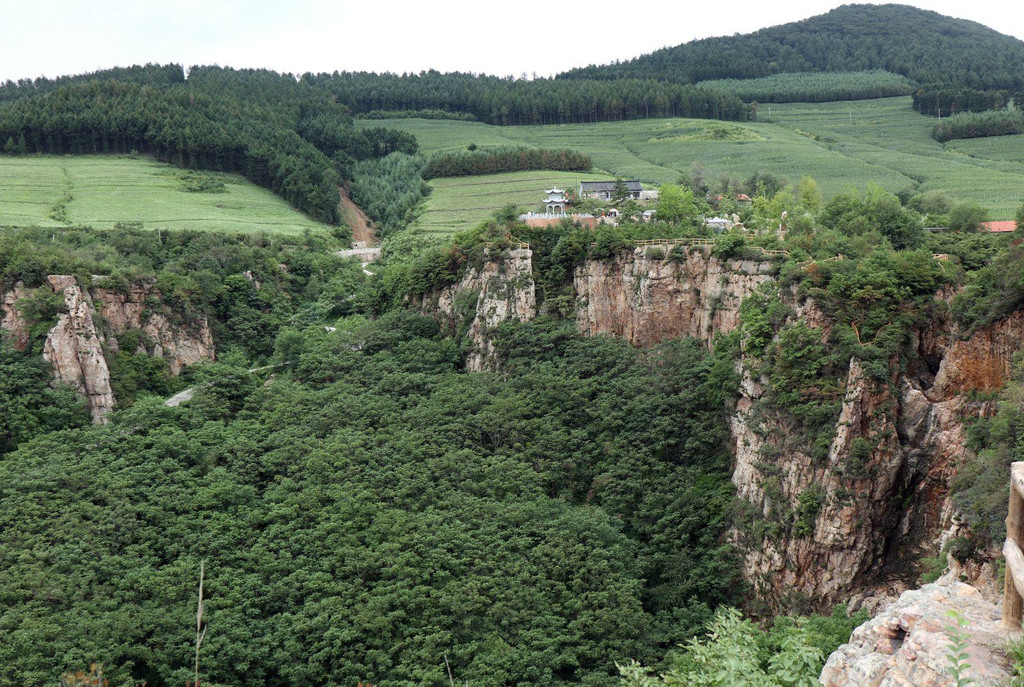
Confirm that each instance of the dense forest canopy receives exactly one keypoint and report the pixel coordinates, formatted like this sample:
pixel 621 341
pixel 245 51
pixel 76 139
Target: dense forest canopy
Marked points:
pixel 814 87
pixel 149 74
pixel 372 509
pixel 505 101
pixel 920 44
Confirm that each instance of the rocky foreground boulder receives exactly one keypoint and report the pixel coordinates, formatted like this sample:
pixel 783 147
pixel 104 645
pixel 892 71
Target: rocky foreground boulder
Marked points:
pixel 909 642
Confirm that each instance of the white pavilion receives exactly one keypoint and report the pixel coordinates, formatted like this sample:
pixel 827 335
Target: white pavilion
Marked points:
pixel 554 204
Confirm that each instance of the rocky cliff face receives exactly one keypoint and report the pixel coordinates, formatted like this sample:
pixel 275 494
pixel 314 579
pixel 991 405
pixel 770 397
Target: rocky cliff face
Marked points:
pixel 123 311
pixel 851 515
pixel 89 323
pixel 646 300
pixel 833 517
pixel 501 290
pixel 12 323
pixel 881 491
pixel 908 643
pixel 75 350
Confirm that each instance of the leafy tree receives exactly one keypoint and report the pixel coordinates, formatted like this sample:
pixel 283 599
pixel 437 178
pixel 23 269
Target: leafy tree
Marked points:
pixel 620 193
pixel 809 195
pixel 967 216
pixel 729 656
pixel 676 205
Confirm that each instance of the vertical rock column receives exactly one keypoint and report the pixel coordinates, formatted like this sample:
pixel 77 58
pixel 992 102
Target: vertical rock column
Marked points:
pixel 74 349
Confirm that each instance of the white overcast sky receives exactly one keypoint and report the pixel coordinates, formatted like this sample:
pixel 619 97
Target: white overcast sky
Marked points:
pixel 54 37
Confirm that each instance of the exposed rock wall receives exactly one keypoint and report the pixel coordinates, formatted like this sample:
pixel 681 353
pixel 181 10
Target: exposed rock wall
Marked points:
pixel 91 320
pixel 76 351
pixel 180 345
pixel 12 323
pixel 647 300
pixel 980 362
pixel 884 503
pixel 884 479
pixel 501 290
pixel 860 509
pixel 909 642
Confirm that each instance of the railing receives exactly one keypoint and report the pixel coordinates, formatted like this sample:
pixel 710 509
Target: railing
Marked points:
pixel 766 251
pixel 1013 597
pixel 835 258
pixel 511 244
pixel 674 242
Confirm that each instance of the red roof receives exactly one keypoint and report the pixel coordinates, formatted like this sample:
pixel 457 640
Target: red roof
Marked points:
pixel 1000 227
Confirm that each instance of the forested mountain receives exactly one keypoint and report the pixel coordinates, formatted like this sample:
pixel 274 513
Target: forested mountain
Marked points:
pixel 922 45
pixel 149 74
pixel 515 101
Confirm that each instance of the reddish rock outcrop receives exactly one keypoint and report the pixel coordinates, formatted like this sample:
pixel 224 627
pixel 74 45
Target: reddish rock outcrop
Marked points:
pixel 647 300
pixel 980 362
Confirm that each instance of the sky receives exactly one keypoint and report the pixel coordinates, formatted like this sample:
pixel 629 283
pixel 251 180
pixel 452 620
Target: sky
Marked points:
pixel 55 37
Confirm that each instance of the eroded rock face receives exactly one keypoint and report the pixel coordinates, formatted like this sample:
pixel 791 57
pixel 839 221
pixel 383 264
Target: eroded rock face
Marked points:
pixel 981 362
pixel 12 323
pixel 908 643
pixel 824 554
pixel 502 290
pixel 648 300
pixel 76 351
pixel 93 319
pixel 884 486
pixel 180 345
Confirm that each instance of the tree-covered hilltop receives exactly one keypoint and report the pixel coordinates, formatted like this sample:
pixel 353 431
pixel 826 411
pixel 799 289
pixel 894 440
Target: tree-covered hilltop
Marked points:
pixel 149 74
pixel 920 44
pixel 505 101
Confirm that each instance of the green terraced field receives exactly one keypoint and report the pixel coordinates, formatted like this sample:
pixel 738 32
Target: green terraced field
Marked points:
pixel 840 144
pixel 1006 148
pixel 442 134
pixel 460 203
pixel 109 189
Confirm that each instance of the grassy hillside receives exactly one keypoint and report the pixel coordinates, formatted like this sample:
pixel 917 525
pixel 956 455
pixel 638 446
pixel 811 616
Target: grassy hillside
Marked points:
pixel 840 144
pixel 435 135
pixel 463 202
pixel 104 190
